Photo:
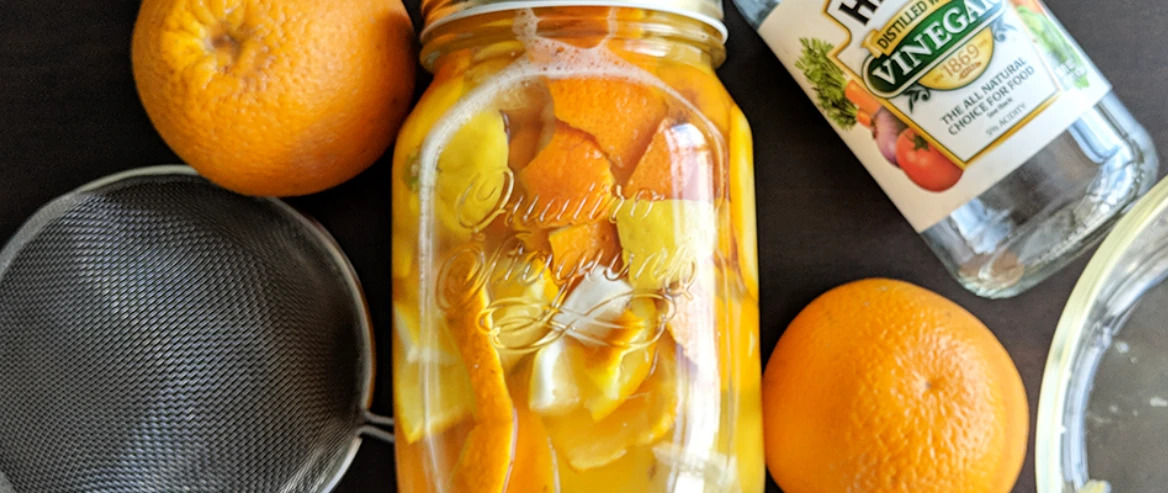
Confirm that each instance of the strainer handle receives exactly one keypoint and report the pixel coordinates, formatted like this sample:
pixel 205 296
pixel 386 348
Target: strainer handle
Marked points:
pixel 377 426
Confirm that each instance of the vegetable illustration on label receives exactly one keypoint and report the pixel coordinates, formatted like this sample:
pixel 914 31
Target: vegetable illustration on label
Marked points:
pixel 923 164
pixel 886 130
pixel 849 103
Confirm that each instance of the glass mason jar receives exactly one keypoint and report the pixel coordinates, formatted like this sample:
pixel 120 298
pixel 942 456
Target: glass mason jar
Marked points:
pixel 574 258
pixel 1052 164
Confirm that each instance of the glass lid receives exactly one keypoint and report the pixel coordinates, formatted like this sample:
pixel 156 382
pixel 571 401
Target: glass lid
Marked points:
pixel 1103 413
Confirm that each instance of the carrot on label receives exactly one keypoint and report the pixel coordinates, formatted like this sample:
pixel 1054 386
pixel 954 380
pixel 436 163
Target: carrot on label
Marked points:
pixel 864 118
pixel 862 98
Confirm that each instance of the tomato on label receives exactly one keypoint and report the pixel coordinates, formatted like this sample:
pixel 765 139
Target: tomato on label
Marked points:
pixel 925 165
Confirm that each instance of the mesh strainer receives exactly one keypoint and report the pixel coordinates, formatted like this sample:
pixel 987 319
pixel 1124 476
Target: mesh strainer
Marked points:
pixel 158 333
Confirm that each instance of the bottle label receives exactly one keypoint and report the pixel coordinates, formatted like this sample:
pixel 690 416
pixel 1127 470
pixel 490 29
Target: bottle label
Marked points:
pixel 940 99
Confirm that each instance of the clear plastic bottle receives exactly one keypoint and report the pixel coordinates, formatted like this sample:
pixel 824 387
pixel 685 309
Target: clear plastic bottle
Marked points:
pixel 575 287
pixel 1036 214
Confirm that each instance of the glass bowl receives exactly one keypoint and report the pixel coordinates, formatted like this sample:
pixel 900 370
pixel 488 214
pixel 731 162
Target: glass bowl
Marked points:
pixel 1103 413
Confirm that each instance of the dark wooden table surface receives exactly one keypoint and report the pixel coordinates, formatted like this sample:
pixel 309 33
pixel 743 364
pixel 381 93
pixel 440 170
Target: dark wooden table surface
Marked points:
pixel 69 114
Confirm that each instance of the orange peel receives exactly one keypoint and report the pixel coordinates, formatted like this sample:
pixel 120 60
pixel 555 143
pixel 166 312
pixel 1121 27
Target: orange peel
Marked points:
pixel 620 115
pixel 485 461
pixel 567 180
pixel 678 164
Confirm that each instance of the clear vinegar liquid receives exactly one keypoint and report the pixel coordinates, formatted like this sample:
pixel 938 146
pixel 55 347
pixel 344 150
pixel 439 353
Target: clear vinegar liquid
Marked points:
pixel 1048 211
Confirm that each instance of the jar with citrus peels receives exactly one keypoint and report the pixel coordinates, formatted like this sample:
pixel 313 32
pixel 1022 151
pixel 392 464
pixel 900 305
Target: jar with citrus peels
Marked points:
pixel 574 263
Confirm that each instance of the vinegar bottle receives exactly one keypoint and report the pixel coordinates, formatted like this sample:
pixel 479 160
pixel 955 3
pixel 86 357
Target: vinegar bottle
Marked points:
pixel 983 121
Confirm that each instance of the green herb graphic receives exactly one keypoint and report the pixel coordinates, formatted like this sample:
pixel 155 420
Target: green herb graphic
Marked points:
pixel 828 80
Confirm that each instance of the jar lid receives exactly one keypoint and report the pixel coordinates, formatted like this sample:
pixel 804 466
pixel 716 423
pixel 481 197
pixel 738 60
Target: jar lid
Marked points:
pixel 439 12
pixel 1103 414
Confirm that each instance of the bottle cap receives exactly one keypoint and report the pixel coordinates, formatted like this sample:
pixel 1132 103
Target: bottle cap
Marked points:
pixel 439 12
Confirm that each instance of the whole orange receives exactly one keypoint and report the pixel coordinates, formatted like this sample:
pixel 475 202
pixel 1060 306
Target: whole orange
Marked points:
pixel 882 386
pixel 275 97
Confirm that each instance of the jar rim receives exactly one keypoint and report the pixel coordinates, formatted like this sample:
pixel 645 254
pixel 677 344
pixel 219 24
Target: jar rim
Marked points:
pixel 713 18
